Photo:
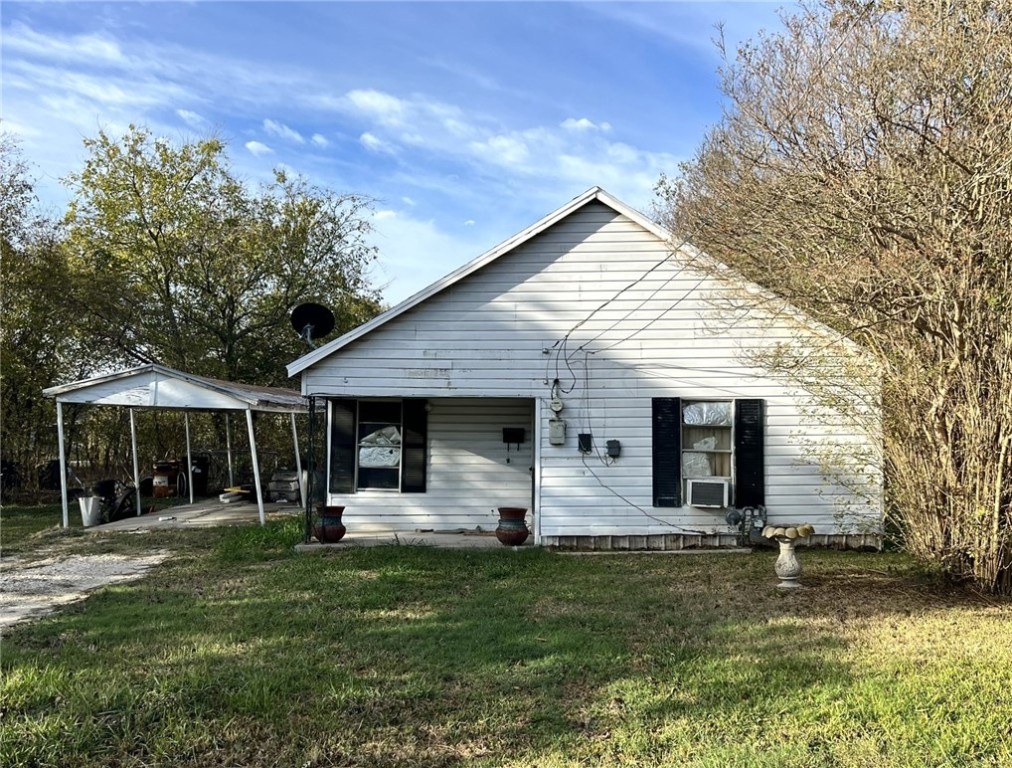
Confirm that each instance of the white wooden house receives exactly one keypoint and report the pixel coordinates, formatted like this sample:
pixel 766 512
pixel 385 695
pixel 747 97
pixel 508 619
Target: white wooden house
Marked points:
pixel 577 370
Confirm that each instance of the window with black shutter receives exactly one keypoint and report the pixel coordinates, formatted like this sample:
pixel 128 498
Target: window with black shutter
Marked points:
pixel 712 442
pixel 706 449
pixel 378 445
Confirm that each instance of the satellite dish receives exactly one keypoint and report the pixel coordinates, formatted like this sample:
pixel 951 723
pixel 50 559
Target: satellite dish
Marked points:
pixel 312 321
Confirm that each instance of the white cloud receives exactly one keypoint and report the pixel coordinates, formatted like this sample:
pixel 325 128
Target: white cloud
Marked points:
pixel 469 223
pixel 103 90
pixel 382 107
pixel 554 160
pixel 502 151
pixel 457 127
pixel 282 131
pixel 678 23
pixel 583 124
pixel 449 153
pixel 374 144
pixel 258 149
pixel 192 119
pixel 89 49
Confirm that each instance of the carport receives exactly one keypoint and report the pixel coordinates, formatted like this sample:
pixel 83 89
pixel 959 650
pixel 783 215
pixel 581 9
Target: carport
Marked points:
pixel 155 386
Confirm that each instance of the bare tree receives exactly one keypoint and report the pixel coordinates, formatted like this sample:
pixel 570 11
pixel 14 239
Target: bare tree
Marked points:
pixel 863 171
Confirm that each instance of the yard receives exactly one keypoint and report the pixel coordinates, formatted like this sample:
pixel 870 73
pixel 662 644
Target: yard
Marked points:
pixel 238 652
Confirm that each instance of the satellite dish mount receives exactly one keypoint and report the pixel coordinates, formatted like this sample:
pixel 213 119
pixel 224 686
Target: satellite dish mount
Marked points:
pixel 312 321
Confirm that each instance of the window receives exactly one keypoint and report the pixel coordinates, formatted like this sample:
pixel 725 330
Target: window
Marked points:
pixel 378 445
pixel 708 439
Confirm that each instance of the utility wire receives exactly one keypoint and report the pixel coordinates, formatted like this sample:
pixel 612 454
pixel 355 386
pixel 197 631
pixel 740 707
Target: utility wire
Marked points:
pixel 634 505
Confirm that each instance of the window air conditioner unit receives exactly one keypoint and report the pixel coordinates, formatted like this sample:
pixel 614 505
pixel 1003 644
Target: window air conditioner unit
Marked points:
pixel 708 493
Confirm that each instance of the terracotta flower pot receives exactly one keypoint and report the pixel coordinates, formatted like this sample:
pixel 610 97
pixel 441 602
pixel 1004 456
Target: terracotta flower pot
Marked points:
pixel 329 529
pixel 512 529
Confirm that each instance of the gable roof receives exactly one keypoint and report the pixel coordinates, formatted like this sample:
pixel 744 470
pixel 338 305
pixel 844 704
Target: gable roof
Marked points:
pixel 591 195
pixel 156 386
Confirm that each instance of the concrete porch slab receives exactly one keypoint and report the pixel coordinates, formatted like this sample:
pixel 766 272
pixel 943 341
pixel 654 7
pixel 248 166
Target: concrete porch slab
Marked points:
pixel 209 513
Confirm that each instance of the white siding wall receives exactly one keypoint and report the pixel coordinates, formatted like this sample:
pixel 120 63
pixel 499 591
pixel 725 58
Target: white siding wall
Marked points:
pixel 467 472
pixel 502 332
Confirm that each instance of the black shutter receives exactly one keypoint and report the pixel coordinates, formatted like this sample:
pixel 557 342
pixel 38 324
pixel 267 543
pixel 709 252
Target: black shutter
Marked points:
pixel 415 440
pixel 342 446
pixel 749 465
pixel 667 451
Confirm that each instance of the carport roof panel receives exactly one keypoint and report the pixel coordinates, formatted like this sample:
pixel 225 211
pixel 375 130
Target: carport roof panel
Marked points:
pixel 155 386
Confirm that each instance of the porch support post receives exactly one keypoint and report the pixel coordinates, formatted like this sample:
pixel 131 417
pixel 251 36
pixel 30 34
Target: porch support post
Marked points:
pixel 536 475
pixel 63 463
pixel 256 466
pixel 228 451
pixel 298 463
pixel 311 469
pixel 189 455
pixel 137 469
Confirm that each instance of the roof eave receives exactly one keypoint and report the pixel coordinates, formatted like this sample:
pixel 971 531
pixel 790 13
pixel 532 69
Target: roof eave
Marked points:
pixel 246 397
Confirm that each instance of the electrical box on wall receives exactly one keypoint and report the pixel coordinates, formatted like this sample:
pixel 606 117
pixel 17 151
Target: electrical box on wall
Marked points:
pixel 614 448
pixel 585 442
pixel 511 435
pixel 556 432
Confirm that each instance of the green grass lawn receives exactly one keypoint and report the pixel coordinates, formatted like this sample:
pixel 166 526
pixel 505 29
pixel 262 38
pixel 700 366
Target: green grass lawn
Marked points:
pixel 22 527
pixel 239 652
pixel 18 525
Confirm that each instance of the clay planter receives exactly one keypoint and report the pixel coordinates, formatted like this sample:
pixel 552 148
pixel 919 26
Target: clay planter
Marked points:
pixel 512 530
pixel 329 529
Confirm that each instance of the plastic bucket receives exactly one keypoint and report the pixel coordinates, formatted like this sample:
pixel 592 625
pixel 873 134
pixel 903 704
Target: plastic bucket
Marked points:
pixel 91 510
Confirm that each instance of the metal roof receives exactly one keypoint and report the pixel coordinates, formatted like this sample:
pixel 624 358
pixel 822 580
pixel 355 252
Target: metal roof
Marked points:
pixel 156 386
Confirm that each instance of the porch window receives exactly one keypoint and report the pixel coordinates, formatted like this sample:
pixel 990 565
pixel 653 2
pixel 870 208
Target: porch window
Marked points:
pixel 378 445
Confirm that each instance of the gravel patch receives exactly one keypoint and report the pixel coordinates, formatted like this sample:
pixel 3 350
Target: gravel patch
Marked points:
pixel 31 589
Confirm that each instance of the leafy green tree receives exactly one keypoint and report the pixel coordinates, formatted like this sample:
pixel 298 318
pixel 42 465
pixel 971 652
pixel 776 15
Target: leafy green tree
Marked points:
pixel 862 171
pixel 181 263
pixel 38 341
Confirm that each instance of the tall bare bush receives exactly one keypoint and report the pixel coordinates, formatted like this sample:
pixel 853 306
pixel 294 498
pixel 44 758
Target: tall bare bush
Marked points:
pixel 863 171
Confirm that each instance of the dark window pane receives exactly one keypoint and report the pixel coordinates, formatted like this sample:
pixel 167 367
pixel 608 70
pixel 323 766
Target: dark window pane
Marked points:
pixel 378 478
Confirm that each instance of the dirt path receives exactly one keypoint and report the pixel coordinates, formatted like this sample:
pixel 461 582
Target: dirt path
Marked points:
pixel 30 588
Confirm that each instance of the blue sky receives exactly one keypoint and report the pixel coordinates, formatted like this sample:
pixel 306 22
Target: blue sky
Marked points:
pixel 466 122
